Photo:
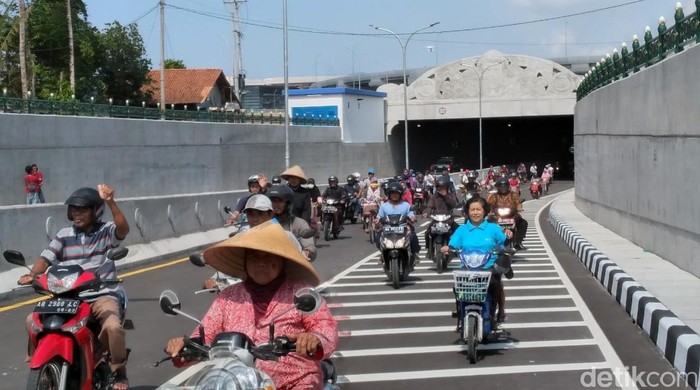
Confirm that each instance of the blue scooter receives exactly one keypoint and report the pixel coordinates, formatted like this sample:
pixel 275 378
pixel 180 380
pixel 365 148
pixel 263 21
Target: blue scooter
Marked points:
pixel 475 305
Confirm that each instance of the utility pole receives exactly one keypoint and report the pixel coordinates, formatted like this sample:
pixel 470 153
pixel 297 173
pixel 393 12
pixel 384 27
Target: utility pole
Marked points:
pixel 162 59
pixel 71 49
pixel 22 48
pixel 237 52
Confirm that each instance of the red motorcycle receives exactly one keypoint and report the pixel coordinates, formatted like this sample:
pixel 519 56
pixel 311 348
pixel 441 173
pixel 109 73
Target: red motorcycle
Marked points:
pixel 419 200
pixel 68 354
pixel 536 188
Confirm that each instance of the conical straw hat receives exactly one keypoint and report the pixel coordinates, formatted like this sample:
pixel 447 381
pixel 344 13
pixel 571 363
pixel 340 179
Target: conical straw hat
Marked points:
pixel 294 171
pixel 229 256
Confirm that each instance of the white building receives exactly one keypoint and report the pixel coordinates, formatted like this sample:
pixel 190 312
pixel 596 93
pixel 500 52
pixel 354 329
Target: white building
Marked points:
pixel 361 113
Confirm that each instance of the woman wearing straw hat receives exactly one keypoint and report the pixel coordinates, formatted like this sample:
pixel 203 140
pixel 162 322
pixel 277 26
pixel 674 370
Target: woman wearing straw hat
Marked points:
pixel 272 269
pixel 295 177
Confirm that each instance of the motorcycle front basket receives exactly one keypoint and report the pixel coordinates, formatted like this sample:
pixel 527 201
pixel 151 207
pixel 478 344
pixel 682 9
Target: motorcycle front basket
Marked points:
pixel 471 286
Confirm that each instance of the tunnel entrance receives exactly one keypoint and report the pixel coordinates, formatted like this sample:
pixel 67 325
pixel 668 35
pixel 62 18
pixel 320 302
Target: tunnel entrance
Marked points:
pixel 543 140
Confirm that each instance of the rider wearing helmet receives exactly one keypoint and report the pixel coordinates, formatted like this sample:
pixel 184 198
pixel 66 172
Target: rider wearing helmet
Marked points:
pixel 85 209
pixel 276 180
pixel 282 199
pixel 394 205
pixel 256 183
pixel 441 202
pixel 504 197
pixel 472 185
pixel 337 193
pixel 352 189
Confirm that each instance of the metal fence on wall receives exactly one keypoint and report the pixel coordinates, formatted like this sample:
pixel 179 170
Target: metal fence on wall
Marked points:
pixel 671 40
pixel 77 108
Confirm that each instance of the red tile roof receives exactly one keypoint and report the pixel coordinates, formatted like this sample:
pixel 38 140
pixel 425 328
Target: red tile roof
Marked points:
pixel 183 86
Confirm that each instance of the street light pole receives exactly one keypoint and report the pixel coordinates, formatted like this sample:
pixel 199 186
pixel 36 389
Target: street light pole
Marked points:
pixel 480 77
pixel 405 97
pixel 286 89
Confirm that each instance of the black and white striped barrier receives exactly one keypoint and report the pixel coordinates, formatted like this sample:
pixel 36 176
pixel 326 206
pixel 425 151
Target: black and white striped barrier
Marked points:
pixel 678 342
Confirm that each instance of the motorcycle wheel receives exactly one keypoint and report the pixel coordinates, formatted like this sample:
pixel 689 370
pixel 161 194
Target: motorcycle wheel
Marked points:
pixel 470 336
pixel 371 235
pixel 47 376
pixel 353 219
pixel 327 229
pixel 439 260
pixel 395 273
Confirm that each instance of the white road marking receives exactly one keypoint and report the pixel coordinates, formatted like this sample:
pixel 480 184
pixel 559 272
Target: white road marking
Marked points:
pixel 451 328
pixel 437 301
pixel 354 317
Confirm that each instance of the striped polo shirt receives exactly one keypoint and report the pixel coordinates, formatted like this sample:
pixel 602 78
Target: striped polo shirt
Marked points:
pixel 89 251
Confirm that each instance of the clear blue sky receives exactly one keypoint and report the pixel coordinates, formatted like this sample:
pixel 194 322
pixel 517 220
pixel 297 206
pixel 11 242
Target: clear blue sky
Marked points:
pixel 201 35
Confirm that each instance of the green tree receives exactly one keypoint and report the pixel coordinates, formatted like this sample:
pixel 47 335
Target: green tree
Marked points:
pixel 124 66
pixel 171 63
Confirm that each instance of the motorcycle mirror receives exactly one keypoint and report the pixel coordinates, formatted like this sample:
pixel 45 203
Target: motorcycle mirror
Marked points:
pixel 307 233
pixel 197 260
pixel 307 300
pixel 117 253
pixel 169 302
pixel 227 210
pixel 14 257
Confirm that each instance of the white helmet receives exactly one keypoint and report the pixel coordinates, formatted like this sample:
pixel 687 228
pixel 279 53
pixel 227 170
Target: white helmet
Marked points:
pixel 357 175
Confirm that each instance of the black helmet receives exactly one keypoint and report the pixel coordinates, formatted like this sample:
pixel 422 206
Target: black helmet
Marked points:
pixel 281 191
pixel 86 197
pixel 311 181
pixel 351 179
pixel 253 180
pixel 502 186
pixel 442 181
pixel 394 186
pixel 332 179
pixel 276 180
pixel 472 175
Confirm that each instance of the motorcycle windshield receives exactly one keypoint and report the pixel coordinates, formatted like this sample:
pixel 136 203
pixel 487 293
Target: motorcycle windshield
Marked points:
pixel 395 219
pixel 226 343
pixel 474 260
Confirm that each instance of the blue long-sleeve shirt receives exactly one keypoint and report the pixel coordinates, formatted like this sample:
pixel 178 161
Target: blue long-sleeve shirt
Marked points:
pixel 487 237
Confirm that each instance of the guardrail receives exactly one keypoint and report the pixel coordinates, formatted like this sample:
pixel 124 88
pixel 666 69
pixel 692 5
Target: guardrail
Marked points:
pixel 78 108
pixel 617 66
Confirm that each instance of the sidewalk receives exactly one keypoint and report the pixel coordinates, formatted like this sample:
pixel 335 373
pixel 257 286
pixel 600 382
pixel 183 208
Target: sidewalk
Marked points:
pixel 661 298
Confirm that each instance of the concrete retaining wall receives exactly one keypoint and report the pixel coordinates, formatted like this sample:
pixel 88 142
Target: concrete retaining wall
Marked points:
pixel 151 158
pixel 638 158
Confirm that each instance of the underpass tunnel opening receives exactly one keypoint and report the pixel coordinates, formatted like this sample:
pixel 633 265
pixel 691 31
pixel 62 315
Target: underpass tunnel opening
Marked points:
pixel 543 140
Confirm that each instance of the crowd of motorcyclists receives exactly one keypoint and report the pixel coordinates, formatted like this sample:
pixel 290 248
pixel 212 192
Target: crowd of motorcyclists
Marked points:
pixel 299 207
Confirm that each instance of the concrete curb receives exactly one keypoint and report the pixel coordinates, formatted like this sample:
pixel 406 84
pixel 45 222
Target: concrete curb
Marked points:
pixel 679 344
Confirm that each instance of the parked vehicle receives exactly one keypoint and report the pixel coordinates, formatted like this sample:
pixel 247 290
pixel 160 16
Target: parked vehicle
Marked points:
pixel 395 248
pixel 68 353
pixel 229 362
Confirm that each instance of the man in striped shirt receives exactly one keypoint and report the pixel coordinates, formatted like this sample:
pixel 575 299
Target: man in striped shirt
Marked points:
pixel 86 244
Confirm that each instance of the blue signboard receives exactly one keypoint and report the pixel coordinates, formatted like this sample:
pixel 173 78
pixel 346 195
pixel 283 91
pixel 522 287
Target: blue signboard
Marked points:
pixel 318 112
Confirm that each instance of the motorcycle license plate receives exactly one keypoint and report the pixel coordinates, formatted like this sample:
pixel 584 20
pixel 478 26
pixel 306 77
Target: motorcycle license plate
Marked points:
pixel 57 306
pixel 441 229
pixel 329 209
pixel 395 229
pixel 506 221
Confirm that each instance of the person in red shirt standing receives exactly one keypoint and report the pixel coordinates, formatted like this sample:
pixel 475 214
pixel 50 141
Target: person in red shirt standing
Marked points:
pixel 31 186
pixel 40 176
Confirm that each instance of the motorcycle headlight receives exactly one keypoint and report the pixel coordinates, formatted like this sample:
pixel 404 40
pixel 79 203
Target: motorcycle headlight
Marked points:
pixel 388 243
pixel 504 211
pixel 218 379
pixel 75 327
pixel 63 284
pixel 400 242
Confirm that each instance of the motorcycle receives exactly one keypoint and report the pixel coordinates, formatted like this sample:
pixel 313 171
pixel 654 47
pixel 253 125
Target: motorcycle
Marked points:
pixel 68 354
pixel 522 175
pixel 545 185
pixel 439 236
pixel 369 211
pixel 229 362
pixel 395 248
pixel 241 224
pixel 329 210
pixel 418 200
pixel 536 188
pixel 475 306
pixel 505 218
pixel 351 207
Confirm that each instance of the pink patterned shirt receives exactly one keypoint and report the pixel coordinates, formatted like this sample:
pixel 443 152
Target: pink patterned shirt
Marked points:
pixel 232 311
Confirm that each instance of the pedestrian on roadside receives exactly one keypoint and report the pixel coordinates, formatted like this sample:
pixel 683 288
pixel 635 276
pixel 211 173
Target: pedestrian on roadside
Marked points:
pixel 31 186
pixel 40 176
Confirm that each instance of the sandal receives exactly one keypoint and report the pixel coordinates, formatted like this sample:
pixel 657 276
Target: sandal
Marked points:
pixel 121 382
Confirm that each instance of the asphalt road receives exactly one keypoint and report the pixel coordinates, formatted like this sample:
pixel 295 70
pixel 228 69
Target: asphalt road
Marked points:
pixel 561 323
